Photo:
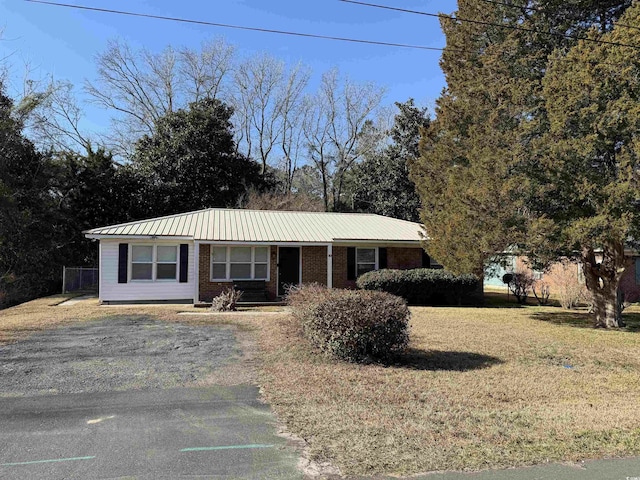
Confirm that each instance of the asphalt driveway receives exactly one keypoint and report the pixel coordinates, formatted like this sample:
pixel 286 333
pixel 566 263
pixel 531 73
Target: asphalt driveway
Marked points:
pixel 129 397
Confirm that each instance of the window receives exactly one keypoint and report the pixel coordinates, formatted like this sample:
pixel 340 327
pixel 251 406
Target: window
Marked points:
pixel 167 262
pixel 154 262
pixel 365 260
pixel 142 262
pixel 239 263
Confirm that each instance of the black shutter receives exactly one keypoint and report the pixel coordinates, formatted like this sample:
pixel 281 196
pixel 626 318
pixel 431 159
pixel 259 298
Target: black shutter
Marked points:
pixel 382 258
pixel 123 262
pixel 184 262
pixel 426 260
pixel 351 263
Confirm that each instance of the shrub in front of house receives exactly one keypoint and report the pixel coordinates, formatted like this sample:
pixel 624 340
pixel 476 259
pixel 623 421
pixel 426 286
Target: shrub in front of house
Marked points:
pixel 227 301
pixel 424 286
pixel 353 325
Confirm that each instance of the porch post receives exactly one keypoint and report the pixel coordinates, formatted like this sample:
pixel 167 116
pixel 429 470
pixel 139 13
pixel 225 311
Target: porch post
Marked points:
pixel 330 265
pixel 196 267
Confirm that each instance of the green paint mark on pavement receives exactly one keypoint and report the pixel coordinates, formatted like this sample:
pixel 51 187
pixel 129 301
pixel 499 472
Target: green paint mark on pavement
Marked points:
pixel 224 447
pixel 46 461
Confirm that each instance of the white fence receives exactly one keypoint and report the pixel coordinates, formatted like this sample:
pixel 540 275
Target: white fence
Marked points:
pixel 79 279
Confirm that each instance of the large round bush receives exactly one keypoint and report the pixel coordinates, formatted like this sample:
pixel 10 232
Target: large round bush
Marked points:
pixel 354 325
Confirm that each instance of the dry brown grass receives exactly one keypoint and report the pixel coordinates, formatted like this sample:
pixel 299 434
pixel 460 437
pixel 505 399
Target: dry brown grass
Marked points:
pixel 480 388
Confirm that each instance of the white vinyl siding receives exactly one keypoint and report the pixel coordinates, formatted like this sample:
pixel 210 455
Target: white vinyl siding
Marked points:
pixel 239 263
pixel 111 290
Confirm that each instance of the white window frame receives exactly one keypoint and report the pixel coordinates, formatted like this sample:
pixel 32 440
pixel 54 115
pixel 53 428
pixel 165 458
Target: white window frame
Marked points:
pixel 376 264
pixel 154 263
pixel 227 263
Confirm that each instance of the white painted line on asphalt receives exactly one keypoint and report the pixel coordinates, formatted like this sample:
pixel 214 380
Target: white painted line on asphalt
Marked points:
pixel 233 314
pixel 32 462
pixel 225 447
pixel 98 420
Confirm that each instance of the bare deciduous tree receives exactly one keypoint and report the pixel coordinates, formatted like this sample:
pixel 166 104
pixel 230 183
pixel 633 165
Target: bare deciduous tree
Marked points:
pixel 141 86
pixel 204 71
pixel 292 111
pixel 268 108
pixel 341 111
pixel 54 121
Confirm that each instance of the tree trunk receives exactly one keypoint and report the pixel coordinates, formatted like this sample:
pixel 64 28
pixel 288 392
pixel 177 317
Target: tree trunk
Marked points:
pixel 606 309
pixel 602 279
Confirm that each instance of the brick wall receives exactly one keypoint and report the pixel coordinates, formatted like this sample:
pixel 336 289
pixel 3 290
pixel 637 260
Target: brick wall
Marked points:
pixel 628 283
pixel 404 258
pixel 340 269
pixel 314 265
pixel 401 258
pixel 209 289
pixel 314 268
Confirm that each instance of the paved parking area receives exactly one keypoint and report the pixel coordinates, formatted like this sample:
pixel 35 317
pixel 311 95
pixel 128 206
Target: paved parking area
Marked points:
pixel 122 398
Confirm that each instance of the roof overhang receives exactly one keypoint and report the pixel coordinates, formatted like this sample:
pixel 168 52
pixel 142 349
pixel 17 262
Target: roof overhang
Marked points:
pixel 135 237
pixel 365 241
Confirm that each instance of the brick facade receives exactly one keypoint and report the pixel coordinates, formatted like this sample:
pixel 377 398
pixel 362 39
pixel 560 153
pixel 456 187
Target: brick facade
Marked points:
pixel 340 269
pixel 629 284
pixel 404 258
pixel 209 289
pixel 314 268
pixel 314 265
pixel 397 257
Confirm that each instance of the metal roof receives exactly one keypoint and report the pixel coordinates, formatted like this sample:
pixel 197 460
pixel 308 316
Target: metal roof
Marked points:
pixel 235 225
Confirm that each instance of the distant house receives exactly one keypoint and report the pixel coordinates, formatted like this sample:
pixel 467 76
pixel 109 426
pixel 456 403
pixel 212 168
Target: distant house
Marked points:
pixel 629 283
pixel 192 257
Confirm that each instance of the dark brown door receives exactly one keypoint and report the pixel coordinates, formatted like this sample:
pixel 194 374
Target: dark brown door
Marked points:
pixel 288 268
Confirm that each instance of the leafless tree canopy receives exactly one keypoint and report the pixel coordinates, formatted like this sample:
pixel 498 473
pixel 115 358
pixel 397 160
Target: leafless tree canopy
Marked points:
pixel 337 115
pixel 277 121
pixel 141 86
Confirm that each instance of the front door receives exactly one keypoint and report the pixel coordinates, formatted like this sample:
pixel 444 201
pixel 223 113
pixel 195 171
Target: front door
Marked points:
pixel 288 268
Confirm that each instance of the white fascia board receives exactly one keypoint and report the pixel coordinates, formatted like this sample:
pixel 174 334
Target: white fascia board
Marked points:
pixel 378 243
pixel 265 244
pixel 137 237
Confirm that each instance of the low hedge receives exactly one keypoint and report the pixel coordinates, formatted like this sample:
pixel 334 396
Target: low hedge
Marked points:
pixel 424 286
pixel 353 325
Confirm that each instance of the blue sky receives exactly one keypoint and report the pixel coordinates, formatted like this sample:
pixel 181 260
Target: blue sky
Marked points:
pixel 63 42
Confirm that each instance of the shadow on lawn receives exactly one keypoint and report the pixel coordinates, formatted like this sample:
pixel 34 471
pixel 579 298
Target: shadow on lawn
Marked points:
pixel 494 299
pixel 433 360
pixel 581 319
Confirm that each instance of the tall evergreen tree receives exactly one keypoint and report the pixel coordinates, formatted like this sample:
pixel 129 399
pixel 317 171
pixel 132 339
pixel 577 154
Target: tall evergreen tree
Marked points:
pixel 30 259
pixel 381 181
pixel 476 174
pixel 190 161
pixel 91 191
pixel 588 168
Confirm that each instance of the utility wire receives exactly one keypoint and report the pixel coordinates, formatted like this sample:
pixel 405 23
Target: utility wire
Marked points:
pixel 324 37
pixel 238 27
pixel 481 22
pixel 532 9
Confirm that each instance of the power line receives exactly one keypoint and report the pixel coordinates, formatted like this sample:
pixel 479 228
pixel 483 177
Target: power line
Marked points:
pixel 308 35
pixel 237 27
pixel 532 9
pixel 481 22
